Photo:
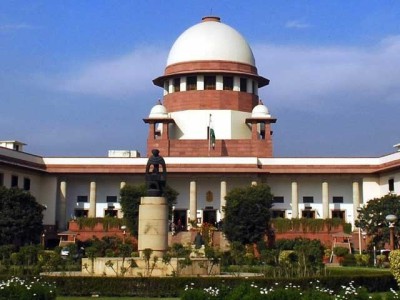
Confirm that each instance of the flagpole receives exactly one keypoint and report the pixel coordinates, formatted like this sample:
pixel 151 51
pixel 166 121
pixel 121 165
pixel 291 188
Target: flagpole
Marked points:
pixel 209 134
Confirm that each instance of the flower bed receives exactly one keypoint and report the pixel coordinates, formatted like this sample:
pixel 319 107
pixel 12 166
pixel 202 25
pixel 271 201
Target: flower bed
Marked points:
pixel 24 289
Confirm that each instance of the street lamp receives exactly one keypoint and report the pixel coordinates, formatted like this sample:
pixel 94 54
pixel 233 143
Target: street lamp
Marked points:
pixel 359 231
pixel 392 220
pixel 123 227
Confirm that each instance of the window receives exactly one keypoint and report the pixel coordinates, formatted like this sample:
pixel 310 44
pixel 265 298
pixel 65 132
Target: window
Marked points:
pixel 308 214
pixel 191 83
pixel 209 82
pixel 228 83
pixel 1 179
pixel 337 199
pixel 82 199
pixel 391 185
pixel 79 213
pixel 278 199
pixel 27 184
pixel 278 214
pixel 177 84
pixel 243 84
pixel 14 181
pixel 308 199
pixel 110 213
pixel 111 199
pixel 338 214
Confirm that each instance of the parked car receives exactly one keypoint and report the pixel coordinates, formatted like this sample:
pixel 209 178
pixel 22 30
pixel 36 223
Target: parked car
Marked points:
pixel 64 252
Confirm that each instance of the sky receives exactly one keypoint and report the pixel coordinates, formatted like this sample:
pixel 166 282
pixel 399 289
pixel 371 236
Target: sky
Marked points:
pixel 76 76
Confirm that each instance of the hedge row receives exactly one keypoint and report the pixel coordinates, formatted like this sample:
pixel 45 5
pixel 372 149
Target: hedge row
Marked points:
pixel 172 287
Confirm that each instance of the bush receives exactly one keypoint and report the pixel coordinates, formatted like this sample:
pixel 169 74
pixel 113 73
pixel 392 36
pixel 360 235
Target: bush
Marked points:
pixel 349 260
pixel 340 251
pixel 16 288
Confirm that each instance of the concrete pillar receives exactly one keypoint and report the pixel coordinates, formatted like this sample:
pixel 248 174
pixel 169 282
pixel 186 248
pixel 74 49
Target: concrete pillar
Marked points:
pixel 183 84
pixel 223 201
pixel 250 86
pixel 153 225
pixel 219 82
pixel 356 199
pixel 236 83
pixel 166 83
pixel 325 200
pixel 295 200
pixel 193 201
pixel 200 82
pixel 62 215
pixel 92 200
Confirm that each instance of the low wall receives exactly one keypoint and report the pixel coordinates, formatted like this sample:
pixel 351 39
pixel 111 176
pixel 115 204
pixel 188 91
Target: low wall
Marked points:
pixel 115 266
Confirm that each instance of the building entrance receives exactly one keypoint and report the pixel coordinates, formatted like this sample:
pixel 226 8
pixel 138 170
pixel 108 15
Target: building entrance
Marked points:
pixel 210 216
pixel 180 219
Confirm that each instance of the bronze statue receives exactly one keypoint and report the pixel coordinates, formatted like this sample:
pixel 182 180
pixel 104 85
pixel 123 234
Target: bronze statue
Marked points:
pixel 155 181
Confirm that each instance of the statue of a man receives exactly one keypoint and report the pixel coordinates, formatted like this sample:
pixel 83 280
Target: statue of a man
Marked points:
pixel 155 181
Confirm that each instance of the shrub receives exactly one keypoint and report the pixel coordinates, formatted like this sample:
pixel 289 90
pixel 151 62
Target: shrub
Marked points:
pixel 16 288
pixel 349 260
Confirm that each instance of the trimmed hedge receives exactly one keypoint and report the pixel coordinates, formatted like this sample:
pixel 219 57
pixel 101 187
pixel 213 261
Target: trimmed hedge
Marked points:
pixel 173 286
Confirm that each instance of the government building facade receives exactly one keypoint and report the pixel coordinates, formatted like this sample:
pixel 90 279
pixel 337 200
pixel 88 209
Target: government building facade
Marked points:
pixel 215 134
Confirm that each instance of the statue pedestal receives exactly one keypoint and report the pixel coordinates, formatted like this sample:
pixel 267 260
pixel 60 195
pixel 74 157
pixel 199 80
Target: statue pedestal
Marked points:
pixel 153 225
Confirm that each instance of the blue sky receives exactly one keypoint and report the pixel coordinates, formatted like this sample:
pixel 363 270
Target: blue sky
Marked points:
pixel 75 76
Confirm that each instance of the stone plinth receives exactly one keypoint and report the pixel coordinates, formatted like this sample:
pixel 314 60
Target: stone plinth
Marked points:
pixel 153 225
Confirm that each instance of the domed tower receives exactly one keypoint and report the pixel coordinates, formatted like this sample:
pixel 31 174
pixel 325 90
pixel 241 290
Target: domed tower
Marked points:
pixel 210 105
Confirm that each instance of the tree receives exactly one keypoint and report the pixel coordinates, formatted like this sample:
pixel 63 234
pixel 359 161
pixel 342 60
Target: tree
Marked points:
pixel 21 217
pixel 372 219
pixel 247 213
pixel 130 201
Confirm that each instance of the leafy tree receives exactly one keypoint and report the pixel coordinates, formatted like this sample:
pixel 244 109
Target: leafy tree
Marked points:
pixel 247 213
pixel 372 219
pixel 130 201
pixel 20 217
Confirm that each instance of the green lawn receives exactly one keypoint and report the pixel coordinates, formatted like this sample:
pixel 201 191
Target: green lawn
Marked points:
pixel 113 298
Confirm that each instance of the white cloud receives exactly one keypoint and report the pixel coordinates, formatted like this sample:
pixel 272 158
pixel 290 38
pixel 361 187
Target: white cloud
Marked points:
pixel 314 77
pixel 296 24
pixel 115 77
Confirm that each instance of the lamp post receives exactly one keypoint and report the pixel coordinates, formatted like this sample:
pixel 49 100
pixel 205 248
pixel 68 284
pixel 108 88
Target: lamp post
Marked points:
pixel 123 227
pixel 392 220
pixel 359 231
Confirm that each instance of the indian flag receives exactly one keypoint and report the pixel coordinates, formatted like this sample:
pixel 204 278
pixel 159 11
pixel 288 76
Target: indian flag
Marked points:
pixel 211 134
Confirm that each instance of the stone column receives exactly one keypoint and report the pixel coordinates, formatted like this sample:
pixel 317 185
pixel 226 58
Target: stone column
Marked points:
pixel 223 201
pixel 63 205
pixel 92 200
pixel 295 200
pixel 236 83
pixel 219 83
pixel 325 200
pixel 356 199
pixel 193 201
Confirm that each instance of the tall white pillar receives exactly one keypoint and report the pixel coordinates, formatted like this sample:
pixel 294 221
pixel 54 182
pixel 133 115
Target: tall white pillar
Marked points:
pixel 193 201
pixel 325 200
pixel 356 199
pixel 92 200
pixel 62 214
pixel 183 84
pixel 171 86
pixel 219 83
pixel 236 83
pixel 250 86
pixel 295 200
pixel 223 200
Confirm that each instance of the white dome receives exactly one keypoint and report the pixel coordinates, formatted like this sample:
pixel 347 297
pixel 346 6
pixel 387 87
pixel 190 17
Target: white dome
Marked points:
pixel 260 111
pixel 211 40
pixel 158 111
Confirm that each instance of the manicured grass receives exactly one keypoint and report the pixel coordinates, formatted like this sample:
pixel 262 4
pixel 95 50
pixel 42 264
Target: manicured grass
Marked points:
pixel 113 298
pixel 355 270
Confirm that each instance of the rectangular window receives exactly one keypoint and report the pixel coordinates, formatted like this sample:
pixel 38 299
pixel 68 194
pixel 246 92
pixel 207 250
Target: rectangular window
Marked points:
pixel 278 199
pixel 177 84
pixel 82 199
pixel 308 214
pixel 278 214
pixel 112 199
pixel 110 213
pixel 191 83
pixel 1 179
pixel 27 184
pixel 79 213
pixel 243 84
pixel 337 199
pixel 308 199
pixel 338 214
pixel 391 185
pixel 14 181
pixel 209 82
pixel 228 83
